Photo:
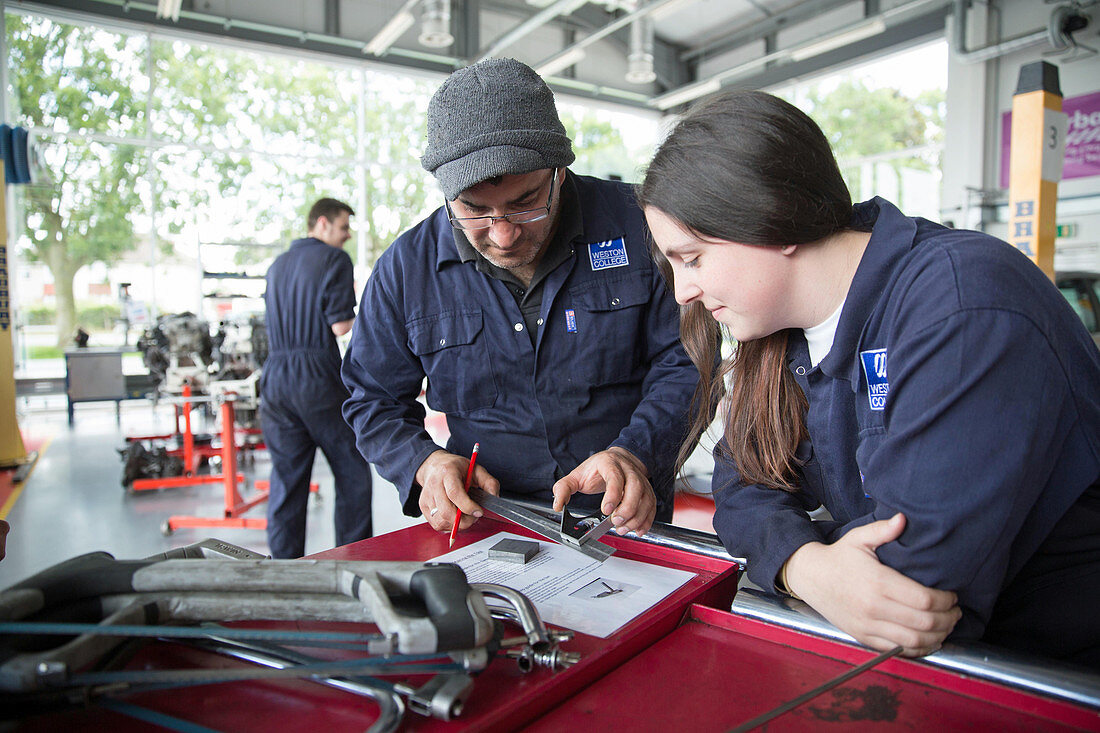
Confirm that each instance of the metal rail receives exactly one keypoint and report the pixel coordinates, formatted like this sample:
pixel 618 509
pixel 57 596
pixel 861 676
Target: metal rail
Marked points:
pixel 973 658
pixel 976 659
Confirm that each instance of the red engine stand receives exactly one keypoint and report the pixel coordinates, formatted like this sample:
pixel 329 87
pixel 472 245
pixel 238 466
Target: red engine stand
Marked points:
pixel 235 505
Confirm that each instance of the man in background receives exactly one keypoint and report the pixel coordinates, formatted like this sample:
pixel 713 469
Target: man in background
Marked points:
pixel 310 301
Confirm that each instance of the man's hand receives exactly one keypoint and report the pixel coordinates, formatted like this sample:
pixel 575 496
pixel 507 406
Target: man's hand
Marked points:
pixel 441 477
pixel 624 481
pixel 880 607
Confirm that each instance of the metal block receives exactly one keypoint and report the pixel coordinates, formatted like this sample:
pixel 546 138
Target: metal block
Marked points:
pixel 517 551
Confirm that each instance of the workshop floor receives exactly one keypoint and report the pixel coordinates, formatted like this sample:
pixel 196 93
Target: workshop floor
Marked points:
pixel 73 502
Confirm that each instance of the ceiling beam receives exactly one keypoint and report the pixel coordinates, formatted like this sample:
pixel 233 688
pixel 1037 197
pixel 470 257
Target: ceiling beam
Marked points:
pixel 144 14
pixel 758 29
pixel 905 33
pixel 332 17
pixel 467 28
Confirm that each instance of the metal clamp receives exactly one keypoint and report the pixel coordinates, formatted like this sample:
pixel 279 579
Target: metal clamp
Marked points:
pixel 549 529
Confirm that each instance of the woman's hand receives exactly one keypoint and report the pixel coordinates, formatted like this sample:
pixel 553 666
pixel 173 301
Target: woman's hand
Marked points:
pixel 880 607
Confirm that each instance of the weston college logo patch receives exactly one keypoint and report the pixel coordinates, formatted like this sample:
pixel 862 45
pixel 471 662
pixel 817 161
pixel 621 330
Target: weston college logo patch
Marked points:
pixel 612 253
pixel 874 369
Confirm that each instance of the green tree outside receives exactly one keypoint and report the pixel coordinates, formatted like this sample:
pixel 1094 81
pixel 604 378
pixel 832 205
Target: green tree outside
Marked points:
pixel 80 80
pixel 860 122
pixel 599 146
pixel 222 145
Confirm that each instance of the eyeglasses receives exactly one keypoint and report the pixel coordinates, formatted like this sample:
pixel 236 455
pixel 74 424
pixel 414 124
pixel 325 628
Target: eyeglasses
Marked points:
pixel 475 223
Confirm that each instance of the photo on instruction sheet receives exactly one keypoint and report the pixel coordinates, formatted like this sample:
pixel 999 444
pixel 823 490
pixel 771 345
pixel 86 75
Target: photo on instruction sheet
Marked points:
pixel 605 588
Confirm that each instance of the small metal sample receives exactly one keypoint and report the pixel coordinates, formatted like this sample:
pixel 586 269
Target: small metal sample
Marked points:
pixel 517 551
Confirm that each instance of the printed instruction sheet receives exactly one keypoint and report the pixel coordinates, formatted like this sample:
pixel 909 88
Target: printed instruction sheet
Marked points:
pixel 570 589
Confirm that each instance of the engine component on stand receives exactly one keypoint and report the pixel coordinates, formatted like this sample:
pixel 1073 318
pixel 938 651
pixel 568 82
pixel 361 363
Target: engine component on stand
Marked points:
pixel 178 350
pixel 194 368
pixel 240 350
pixel 240 346
pixel 139 462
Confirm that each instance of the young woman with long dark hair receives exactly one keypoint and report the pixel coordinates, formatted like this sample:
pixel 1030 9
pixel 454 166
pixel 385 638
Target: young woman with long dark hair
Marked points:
pixel 929 387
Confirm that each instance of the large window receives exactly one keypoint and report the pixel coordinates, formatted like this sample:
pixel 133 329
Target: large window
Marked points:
pixel 885 121
pixel 172 165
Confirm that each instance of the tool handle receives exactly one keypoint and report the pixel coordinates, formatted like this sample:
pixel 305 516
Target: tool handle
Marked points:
pixel 443 590
pixel 85 576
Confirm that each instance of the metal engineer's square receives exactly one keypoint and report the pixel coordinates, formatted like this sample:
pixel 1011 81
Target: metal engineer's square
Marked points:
pixel 517 551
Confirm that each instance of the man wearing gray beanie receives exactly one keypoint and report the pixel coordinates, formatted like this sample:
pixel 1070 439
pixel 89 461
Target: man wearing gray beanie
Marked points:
pixel 531 304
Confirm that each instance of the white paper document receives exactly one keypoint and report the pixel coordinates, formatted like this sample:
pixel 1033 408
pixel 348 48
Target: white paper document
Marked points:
pixel 570 589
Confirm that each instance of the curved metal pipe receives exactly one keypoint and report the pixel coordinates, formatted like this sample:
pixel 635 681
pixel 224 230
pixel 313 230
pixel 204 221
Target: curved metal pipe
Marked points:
pixel 958 40
pixel 525 610
pixel 391 705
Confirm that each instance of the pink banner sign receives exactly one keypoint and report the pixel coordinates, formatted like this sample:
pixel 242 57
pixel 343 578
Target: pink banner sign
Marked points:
pixel 1082 138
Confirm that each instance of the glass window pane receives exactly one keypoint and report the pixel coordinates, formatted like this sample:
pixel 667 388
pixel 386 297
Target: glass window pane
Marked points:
pixel 609 144
pixel 71 78
pixel 885 122
pixel 225 97
pixel 397 191
pixel 85 208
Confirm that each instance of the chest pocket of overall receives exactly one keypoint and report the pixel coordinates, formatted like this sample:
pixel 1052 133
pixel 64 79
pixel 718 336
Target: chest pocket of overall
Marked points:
pixel 872 434
pixel 611 327
pixel 455 357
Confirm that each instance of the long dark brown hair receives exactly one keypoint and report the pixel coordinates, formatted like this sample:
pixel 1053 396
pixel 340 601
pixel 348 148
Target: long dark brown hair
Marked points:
pixel 747 167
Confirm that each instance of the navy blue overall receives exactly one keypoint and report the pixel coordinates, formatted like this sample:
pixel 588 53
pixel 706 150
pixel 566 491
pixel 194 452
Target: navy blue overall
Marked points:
pixel 309 288
pixel 963 391
pixel 605 368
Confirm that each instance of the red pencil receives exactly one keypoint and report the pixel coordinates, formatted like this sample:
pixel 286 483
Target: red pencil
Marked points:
pixel 466 486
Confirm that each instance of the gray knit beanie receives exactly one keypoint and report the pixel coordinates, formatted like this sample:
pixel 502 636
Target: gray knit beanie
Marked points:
pixel 489 119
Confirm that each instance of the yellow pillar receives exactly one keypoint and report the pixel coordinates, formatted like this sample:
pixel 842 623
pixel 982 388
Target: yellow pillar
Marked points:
pixel 12 450
pixel 1035 162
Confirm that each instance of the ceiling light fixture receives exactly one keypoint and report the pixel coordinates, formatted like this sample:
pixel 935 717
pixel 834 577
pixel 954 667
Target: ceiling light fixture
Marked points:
pixel 648 10
pixel 169 9
pixel 435 24
pixel 844 38
pixel 669 7
pixel 392 30
pixel 687 94
pixel 560 62
pixel 639 68
pixel 691 92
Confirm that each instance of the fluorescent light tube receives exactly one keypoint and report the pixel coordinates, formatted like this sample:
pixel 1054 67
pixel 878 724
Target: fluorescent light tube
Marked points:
pixel 390 32
pixel 668 8
pixel 560 62
pixel 831 43
pixel 686 94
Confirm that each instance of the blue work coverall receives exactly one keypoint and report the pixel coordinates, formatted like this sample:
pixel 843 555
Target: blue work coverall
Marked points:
pixel 309 288
pixel 963 391
pixel 605 369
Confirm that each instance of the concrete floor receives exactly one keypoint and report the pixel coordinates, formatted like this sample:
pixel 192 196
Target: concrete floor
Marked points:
pixel 73 501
